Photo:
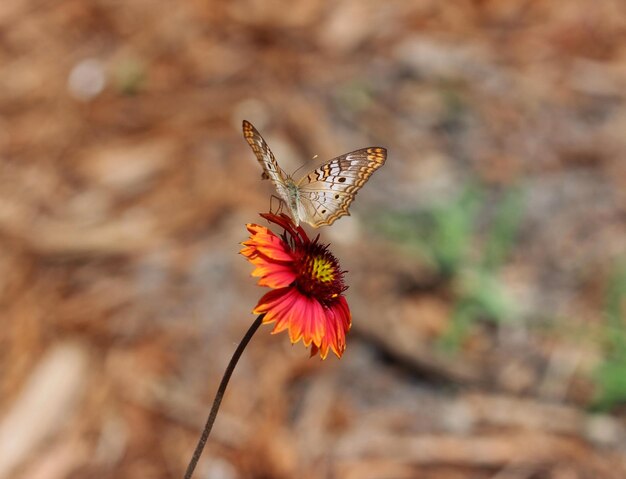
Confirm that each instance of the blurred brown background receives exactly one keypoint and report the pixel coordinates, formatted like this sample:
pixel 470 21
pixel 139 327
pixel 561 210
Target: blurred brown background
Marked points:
pixel 485 259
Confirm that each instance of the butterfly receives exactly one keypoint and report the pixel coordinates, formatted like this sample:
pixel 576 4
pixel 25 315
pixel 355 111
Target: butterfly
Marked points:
pixel 325 194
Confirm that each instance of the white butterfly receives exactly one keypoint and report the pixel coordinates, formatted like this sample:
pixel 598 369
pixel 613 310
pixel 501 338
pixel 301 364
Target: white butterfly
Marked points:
pixel 325 194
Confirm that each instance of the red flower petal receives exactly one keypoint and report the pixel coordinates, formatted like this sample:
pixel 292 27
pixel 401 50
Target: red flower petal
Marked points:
pixel 337 322
pixel 274 275
pixel 304 317
pixel 272 302
pixel 297 233
pixel 263 241
pixel 317 327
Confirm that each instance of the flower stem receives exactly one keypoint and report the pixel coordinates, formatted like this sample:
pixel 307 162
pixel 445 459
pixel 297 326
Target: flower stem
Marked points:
pixel 220 394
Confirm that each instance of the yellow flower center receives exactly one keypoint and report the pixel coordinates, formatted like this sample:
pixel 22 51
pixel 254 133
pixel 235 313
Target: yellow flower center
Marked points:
pixel 322 270
pixel 318 273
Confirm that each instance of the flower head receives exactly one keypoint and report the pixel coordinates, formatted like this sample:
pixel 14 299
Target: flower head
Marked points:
pixel 307 286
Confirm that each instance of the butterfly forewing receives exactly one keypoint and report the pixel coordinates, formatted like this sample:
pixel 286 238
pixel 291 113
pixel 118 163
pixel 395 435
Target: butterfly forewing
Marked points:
pixel 264 155
pixel 327 192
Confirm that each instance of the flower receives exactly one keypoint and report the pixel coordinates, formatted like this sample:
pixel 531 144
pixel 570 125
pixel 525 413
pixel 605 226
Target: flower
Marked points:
pixel 307 286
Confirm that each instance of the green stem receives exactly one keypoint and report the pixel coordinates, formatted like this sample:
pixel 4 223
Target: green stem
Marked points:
pixel 220 394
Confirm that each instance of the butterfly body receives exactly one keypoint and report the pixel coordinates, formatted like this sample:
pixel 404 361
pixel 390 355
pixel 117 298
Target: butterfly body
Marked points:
pixel 325 194
pixel 293 200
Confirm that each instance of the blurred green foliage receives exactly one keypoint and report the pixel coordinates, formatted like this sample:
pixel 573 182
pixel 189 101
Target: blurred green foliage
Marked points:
pixel 610 376
pixel 129 76
pixel 465 250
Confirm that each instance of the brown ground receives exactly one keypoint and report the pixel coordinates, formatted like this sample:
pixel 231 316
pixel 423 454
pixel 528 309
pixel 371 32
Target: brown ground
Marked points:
pixel 125 185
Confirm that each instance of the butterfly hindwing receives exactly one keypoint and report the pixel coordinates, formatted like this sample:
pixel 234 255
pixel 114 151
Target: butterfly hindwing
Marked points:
pixel 327 192
pixel 323 207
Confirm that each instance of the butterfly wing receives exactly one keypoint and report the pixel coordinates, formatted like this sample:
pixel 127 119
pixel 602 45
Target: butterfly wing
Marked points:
pixel 270 166
pixel 326 193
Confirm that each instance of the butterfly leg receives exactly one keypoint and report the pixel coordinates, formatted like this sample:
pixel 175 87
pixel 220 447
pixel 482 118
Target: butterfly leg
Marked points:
pixel 281 203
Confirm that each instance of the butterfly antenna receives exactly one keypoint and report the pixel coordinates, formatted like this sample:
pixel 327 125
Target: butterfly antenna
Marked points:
pixel 302 166
pixel 298 169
